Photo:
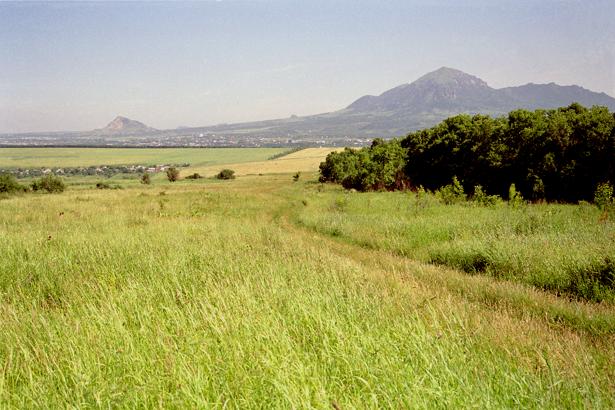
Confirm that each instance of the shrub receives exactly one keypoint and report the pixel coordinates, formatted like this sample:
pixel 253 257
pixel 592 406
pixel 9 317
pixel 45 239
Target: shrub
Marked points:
pixel 103 185
pixel 9 185
pixel 49 183
pixel 603 197
pixel 480 197
pixel 297 176
pixel 226 174
pixel 340 204
pixel 172 174
pixel 146 179
pixel 196 175
pixel 515 199
pixel 452 193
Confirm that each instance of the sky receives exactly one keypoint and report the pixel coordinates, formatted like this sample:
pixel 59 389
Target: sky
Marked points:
pixel 76 65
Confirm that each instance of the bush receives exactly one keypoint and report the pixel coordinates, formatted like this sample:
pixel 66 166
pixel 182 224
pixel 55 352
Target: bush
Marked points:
pixel 146 179
pixel 172 174
pixel 452 193
pixel 226 174
pixel 196 175
pixel 603 197
pixel 297 176
pixel 515 199
pixel 103 185
pixel 480 197
pixel 9 185
pixel 49 183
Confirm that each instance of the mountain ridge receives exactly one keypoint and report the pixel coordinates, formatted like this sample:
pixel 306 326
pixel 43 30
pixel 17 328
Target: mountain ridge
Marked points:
pixel 422 103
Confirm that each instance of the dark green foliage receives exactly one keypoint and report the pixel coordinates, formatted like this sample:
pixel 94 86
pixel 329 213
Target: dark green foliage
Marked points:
pixel 146 179
pixel 9 185
pixel 196 175
pixel 49 183
pixel 285 153
pixel 377 167
pixel 557 154
pixel 226 174
pixel 172 174
pixel 106 185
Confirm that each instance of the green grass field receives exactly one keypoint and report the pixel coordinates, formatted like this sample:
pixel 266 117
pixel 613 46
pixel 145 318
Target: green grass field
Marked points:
pixel 84 157
pixel 553 247
pixel 262 292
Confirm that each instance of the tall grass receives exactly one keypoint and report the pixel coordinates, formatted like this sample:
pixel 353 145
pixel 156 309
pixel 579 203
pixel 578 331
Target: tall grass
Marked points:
pixel 203 297
pixel 567 249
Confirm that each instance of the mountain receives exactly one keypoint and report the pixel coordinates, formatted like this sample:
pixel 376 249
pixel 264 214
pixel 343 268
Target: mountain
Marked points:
pixel 443 89
pixel 123 125
pixel 423 103
pixel 396 112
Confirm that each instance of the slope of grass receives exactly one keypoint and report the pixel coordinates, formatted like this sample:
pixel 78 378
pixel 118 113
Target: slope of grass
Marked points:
pixel 205 296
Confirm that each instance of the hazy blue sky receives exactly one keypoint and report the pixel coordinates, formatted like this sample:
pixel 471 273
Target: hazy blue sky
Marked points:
pixel 75 66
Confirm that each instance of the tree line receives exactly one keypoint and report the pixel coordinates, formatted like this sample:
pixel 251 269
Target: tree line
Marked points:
pixel 562 154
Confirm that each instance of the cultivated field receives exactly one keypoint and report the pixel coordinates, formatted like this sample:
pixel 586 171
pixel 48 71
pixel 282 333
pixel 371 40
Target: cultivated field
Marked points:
pixel 84 157
pixel 305 160
pixel 261 292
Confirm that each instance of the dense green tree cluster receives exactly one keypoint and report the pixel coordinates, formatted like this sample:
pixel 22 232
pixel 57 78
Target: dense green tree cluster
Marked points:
pixel 561 154
pixel 379 166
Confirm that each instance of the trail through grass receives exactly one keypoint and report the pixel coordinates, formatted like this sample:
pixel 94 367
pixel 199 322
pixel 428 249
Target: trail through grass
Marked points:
pixel 566 249
pixel 206 294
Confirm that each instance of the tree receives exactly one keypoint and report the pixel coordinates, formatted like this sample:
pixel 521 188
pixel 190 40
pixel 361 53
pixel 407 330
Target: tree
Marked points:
pixel 226 174
pixel 9 184
pixel 49 183
pixel 172 174
pixel 146 179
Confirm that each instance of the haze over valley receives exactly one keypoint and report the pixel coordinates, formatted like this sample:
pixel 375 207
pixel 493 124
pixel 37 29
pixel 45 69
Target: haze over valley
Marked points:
pixel 423 103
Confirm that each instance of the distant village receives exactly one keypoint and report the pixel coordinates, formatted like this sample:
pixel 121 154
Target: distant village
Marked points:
pixel 178 140
pixel 102 170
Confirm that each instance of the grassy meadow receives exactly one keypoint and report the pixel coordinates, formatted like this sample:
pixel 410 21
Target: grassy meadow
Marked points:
pixel 550 246
pixel 262 292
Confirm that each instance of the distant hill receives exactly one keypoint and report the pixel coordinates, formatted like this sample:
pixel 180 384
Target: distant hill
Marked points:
pixel 123 125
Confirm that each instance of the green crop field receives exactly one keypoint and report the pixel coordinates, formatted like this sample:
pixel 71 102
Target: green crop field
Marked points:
pixel 262 292
pixel 84 157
